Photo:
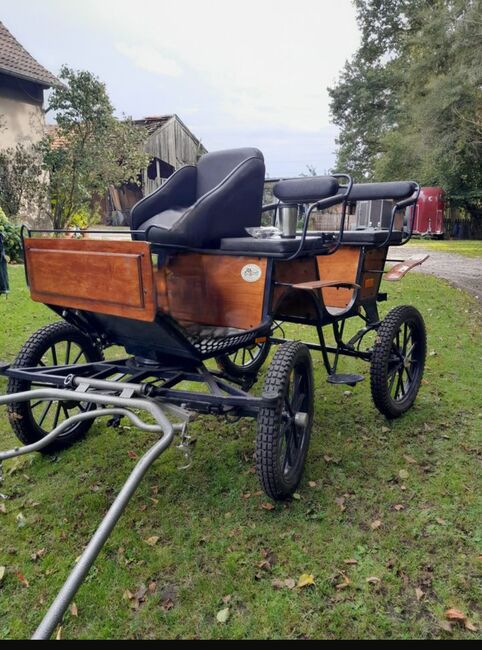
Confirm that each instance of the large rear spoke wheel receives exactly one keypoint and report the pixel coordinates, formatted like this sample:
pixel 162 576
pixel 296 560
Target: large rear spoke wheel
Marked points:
pixel 59 344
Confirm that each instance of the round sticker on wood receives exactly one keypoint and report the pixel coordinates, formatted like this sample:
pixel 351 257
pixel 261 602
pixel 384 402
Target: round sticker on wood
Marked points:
pixel 251 273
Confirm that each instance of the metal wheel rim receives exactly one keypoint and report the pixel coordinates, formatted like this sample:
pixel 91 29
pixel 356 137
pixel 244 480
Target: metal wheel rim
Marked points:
pixel 247 356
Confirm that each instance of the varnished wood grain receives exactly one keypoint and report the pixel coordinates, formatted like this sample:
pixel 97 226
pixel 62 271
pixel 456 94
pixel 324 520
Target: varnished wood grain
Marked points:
pixel 370 281
pixel 342 266
pixel 210 290
pixel 286 302
pixel 106 277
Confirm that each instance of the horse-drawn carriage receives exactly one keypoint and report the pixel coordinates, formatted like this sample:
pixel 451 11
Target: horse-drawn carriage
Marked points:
pixel 191 285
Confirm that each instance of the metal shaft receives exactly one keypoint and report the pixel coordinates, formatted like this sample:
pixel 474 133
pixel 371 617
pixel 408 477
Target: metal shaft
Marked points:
pixel 79 573
pixel 118 406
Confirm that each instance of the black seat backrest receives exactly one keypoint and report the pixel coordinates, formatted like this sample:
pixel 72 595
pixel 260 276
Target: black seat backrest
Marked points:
pixel 199 206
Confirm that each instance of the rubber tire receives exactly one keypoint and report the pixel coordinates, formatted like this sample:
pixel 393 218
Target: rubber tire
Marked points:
pixel 231 369
pixel 270 473
pixel 384 402
pixel 20 414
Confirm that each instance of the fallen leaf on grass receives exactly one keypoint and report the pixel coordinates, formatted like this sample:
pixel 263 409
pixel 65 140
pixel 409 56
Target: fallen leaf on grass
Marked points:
pixel 346 582
pixel 351 562
pixel 305 581
pixel 455 616
pixel 22 579
pixel 58 636
pixel 21 521
pixel 340 502
pixel 290 584
pixel 3 509
pixel 373 580
pixel 152 541
pixel 2 573
pixel 399 507
pixel 440 521
pixel 74 610
pixel 223 616
pixel 403 474
pixel 132 455
pixel 419 594
pixel 313 485
pixel 376 525
pixel 38 554
pixel 410 460
pixel 267 506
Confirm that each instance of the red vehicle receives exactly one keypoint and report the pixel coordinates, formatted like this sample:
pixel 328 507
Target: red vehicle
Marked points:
pixel 429 213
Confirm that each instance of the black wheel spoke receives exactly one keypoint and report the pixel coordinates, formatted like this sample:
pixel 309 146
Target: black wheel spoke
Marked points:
pixel 67 352
pixel 298 402
pixel 45 413
pixel 57 415
pixel 54 355
pixel 409 374
pixel 77 358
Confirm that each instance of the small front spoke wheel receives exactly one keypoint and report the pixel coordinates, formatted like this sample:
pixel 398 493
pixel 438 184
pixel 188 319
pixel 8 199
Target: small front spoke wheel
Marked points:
pixel 398 361
pixel 245 361
pixel 284 429
pixel 58 344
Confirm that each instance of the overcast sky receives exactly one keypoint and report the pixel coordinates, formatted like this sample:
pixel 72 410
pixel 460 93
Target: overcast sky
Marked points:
pixel 244 73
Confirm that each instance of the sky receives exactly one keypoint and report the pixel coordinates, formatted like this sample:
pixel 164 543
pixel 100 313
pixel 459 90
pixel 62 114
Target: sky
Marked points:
pixel 244 73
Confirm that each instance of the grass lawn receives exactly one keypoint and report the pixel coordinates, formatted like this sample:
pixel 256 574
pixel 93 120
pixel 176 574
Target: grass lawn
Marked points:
pixel 469 248
pixel 401 500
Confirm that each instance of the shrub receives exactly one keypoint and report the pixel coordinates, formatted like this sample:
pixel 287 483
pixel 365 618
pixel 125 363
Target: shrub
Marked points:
pixel 11 238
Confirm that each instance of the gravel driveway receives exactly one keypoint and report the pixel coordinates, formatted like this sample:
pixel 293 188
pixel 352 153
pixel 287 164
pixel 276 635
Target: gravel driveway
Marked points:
pixel 463 272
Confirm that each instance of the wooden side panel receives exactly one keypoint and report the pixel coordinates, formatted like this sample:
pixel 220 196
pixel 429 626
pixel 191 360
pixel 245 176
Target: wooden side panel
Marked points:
pixel 106 277
pixel 340 267
pixel 286 302
pixel 370 282
pixel 213 289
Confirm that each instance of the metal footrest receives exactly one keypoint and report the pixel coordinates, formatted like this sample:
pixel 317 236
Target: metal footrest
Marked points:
pixel 348 380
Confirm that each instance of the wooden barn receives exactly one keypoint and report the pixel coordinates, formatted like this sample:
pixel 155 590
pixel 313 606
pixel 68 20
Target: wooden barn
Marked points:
pixel 170 144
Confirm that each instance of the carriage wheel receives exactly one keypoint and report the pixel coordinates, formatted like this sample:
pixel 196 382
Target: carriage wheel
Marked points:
pixel 284 430
pixel 57 344
pixel 398 361
pixel 245 361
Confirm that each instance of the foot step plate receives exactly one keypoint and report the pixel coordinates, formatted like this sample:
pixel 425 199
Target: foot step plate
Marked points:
pixel 349 380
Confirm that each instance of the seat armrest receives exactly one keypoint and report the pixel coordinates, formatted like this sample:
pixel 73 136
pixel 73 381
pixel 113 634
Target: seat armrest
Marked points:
pixel 179 190
pixel 397 191
pixel 306 190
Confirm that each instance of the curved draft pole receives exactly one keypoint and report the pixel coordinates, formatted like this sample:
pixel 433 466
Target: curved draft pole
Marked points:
pixel 121 405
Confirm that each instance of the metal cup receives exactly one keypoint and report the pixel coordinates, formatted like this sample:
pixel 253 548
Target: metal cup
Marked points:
pixel 288 220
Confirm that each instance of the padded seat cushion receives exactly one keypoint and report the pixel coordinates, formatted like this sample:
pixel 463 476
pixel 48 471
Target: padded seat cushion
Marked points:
pixel 313 244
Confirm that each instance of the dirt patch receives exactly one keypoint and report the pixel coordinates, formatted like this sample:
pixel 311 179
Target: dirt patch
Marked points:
pixel 462 272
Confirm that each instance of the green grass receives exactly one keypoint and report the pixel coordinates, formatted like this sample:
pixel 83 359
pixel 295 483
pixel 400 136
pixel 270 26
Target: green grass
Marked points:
pixel 468 248
pixel 212 541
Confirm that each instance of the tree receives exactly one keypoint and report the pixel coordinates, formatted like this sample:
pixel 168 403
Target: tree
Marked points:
pixel 409 104
pixel 21 182
pixel 90 151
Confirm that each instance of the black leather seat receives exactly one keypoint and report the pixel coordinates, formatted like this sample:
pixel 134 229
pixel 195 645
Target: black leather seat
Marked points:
pixel 315 243
pixel 200 205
